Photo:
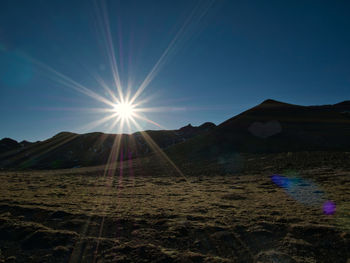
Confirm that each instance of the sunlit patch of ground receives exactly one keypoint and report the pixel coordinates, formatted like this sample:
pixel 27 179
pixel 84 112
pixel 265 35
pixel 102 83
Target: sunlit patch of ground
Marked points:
pixel 149 214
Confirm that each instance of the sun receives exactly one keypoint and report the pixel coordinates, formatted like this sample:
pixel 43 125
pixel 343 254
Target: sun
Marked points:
pixel 124 110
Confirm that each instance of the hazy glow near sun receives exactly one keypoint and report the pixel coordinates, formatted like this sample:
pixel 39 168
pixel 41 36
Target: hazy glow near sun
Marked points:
pixel 124 110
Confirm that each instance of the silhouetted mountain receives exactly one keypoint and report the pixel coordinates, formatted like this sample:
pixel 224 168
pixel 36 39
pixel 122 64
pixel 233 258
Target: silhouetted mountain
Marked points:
pixel 208 126
pixel 190 131
pixel 274 126
pixel 8 144
pixel 271 126
pixel 25 143
pixel 67 149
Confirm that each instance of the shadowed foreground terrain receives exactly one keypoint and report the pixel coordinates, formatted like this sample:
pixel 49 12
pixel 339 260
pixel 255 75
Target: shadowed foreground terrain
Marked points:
pixel 288 207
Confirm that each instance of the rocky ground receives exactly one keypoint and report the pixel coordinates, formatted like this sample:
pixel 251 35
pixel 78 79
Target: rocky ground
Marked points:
pixel 144 212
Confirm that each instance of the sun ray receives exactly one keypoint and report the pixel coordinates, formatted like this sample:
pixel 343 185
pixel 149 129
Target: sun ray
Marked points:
pixel 194 17
pixel 109 171
pixel 103 19
pixel 159 151
pixel 68 82
pixel 104 85
pixel 114 123
pixel 96 123
pixel 87 110
pixel 148 120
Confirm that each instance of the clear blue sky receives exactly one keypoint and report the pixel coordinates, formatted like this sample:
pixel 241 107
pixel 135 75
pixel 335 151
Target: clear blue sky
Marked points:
pixel 227 57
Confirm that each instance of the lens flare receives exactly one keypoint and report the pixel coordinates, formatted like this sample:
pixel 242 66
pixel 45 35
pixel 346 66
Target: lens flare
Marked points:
pixel 329 208
pixel 302 190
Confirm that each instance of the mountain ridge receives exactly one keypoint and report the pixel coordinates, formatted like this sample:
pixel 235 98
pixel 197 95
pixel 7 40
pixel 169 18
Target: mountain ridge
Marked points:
pixel 274 126
pixel 271 126
pixel 68 149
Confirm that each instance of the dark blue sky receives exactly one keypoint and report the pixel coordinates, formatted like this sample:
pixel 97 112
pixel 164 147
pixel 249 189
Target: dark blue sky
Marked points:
pixel 228 57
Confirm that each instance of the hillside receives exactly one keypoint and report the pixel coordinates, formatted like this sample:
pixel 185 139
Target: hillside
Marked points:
pixel 8 144
pixel 274 126
pixel 269 127
pixel 66 150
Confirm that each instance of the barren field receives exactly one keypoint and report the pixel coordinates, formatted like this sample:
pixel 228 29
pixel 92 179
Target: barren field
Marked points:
pixel 142 212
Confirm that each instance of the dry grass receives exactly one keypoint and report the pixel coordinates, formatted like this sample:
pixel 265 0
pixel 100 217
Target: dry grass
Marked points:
pixel 148 213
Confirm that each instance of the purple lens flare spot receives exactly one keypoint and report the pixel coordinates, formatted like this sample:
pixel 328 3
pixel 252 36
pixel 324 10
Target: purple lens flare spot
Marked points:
pixel 281 181
pixel 329 208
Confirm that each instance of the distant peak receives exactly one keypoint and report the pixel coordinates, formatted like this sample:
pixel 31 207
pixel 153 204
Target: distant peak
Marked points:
pixel 8 140
pixel 343 103
pixel 275 103
pixel 271 101
pixel 62 134
pixel 25 143
pixel 208 125
pixel 186 128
